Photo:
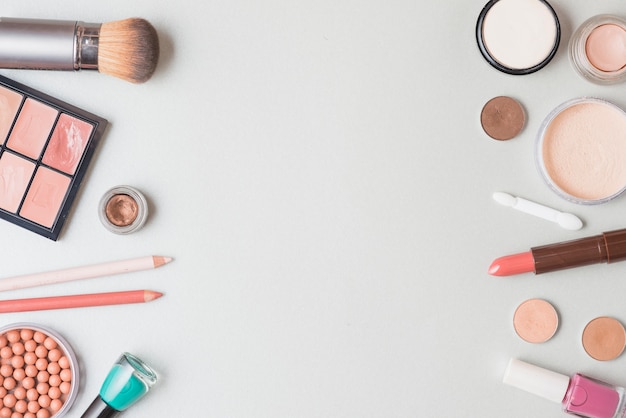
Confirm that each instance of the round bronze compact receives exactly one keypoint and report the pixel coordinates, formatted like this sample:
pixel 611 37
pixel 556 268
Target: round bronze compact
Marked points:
pixel 123 210
pixel 502 118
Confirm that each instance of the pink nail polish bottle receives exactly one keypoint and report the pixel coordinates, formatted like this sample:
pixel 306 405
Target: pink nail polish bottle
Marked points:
pixel 578 395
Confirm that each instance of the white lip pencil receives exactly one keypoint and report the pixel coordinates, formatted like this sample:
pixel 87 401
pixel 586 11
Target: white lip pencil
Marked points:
pixel 84 272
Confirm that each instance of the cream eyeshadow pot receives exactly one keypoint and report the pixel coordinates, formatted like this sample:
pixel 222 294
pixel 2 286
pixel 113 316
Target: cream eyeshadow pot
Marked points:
pixel 597 49
pixel 123 210
pixel 580 150
pixel 45 149
pixel 518 36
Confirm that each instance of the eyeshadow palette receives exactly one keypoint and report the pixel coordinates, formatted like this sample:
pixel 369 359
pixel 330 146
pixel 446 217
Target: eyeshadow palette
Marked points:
pixel 45 148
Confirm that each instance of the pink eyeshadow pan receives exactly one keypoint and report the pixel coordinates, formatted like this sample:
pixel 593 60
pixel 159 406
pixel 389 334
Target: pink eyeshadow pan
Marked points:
pixel 15 174
pixel 67 144
pixel 32 128
pixel 45 197
pixel 10 102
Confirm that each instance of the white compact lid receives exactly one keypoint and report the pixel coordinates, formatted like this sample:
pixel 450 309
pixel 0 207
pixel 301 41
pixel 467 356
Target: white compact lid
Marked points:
pixel 545 383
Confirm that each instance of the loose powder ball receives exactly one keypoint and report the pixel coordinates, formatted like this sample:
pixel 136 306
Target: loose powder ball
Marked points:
pixel 583 151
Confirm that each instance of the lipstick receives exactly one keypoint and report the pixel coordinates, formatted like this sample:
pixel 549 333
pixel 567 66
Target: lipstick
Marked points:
pixel 607 247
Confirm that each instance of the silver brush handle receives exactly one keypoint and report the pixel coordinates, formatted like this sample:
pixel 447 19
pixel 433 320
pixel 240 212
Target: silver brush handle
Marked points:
pixel 48 44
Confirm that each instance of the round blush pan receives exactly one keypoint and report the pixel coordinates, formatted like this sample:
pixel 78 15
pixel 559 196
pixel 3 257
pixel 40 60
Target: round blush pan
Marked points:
pixel 581 151
pixel 535 321
pixel 604 338
pixel 502 118
pixel 38 372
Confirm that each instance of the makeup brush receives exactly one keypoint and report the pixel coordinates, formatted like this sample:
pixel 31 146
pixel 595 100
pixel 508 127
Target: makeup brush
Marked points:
pixel 127 49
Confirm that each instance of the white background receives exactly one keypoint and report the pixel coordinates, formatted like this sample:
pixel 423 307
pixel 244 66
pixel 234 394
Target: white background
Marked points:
pixel 318 171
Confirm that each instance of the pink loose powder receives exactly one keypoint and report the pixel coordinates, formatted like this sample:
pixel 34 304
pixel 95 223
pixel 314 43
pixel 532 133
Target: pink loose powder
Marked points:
pixel 584 150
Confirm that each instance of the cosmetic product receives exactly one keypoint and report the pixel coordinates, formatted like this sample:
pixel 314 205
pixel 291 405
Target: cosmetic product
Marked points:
pixel 581 151
pixel 518 36
pixel 563 219
pixel 127 49
pixel 604 338
pixel 128 381
pixel 502 118
pixel 45 149
pixel 535 320
pixel 607 247
pixel 597 49
pixel 123 210
pixel 579 395
pixel 78 301
pixel 39 372
pixel 84 272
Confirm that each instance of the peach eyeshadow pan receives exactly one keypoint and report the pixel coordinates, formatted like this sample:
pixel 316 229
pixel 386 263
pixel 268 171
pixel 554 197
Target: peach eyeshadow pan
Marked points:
pixel 46 146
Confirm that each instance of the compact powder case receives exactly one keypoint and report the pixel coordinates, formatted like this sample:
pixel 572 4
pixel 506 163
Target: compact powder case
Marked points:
pixel 518 37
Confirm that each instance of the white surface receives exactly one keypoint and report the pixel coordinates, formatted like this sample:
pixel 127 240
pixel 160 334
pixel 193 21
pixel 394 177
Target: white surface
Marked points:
pixel 303 162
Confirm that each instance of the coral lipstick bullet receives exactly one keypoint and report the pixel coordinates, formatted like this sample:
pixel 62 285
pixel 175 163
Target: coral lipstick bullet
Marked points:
pixel 510 265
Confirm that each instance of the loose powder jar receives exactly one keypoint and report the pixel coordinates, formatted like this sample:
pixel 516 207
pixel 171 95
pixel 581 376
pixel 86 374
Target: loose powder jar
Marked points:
pixel 581 150
pixel 123 210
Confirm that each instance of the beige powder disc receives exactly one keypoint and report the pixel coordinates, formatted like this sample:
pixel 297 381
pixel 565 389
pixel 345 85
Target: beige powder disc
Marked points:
pixel 535 321
pixel 604 338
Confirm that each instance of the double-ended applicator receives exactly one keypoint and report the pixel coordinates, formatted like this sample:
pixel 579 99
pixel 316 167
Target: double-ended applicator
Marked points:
pixel 127 49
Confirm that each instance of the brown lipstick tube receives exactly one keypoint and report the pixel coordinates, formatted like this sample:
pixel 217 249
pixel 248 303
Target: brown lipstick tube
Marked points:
pixel 608 247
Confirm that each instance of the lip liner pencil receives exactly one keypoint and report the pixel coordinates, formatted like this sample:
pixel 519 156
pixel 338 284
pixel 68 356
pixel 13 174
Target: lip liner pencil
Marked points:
pixel 84 272
pixel 78 301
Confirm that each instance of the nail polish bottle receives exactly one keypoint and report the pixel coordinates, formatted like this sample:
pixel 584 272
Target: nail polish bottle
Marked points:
pixel 128 380
pixel 578 395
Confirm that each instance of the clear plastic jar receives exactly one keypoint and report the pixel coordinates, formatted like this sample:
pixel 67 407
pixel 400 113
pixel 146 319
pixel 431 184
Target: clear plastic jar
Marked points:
pixel 597 49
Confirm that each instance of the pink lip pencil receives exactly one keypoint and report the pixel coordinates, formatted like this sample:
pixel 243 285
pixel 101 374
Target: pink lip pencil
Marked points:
pixel 607 247
pixel 78 301
pixel 84 272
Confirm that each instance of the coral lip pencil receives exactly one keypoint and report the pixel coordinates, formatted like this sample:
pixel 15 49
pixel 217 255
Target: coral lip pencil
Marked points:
pixel 78 301
pixel 607 247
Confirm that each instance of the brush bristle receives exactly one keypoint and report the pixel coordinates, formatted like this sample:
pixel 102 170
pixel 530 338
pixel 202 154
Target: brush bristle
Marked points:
pixel 128 49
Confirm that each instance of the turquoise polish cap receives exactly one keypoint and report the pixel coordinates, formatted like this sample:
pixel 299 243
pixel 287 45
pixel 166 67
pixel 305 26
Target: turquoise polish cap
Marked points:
pixel 128 381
